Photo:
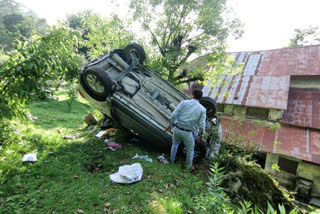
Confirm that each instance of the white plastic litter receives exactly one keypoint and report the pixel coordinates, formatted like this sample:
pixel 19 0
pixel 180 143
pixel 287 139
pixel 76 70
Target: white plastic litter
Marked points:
pixel 162 159
pixel 144 157
pixel 127 174
pixel 32 157
pixel 100 134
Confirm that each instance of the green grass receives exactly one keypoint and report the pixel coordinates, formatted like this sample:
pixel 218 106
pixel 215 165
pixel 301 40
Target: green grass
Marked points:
pixel 74 174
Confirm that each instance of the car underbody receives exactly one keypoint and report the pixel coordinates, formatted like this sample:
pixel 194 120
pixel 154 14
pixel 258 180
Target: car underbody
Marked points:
pixel 136 98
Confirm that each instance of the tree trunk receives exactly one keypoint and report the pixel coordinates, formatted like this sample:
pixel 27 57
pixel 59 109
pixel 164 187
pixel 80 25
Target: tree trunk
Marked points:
pixel 171 76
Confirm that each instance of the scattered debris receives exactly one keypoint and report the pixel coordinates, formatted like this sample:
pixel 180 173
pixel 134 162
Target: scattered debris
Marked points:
pixel 31 157
pixel 162 159
pixel 79 211
pixel 114 145
pixel 110 132
pixel 112 149
pixel 177 182
pixel 69 137
pixel 21 152
pixel 31 117
pixel 109 140
pixel 91 119
pixel 135 140
pixel 100 134
pixel 127 174
pixel 144 157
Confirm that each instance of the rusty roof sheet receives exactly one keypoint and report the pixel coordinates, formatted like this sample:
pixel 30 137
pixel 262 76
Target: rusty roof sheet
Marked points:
pixel 292 61
pixel 265 76
pixel 249 90
pixel 298 142
pixel 303 109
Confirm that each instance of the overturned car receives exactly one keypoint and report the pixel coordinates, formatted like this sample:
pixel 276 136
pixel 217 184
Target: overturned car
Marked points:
pixel 129 93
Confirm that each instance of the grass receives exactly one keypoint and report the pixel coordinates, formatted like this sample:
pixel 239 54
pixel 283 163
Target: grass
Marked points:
pixel 72 176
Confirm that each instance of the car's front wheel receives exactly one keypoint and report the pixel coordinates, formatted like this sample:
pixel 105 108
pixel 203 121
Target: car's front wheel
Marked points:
pixel 97 83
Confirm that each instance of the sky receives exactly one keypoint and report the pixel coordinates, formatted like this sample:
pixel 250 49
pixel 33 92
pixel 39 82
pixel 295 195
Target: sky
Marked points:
pixel 269 24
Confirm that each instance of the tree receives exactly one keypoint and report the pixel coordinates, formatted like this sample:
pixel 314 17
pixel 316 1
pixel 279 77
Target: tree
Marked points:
pixel 17 25
pixel 306 36
pixel 29 69
pixel 99 34
pixel 180 28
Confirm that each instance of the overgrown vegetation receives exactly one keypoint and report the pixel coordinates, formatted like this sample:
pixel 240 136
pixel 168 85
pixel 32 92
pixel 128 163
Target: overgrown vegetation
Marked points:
pixel 307 36
pixel 179 29
pixel 72 175
pixel 27 72
pixel 17 23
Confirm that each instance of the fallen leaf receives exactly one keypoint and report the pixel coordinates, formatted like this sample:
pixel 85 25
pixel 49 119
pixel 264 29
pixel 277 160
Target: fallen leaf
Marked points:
pixel 107 204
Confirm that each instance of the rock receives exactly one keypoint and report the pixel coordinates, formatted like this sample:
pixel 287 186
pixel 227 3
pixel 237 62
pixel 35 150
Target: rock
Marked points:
pixel 315 202
pixel 303 189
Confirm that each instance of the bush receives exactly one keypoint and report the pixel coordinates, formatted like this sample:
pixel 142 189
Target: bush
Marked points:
pixel 27 71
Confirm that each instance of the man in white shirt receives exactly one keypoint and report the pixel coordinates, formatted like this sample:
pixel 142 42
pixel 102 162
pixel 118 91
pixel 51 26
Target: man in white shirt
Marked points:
pixel 185 118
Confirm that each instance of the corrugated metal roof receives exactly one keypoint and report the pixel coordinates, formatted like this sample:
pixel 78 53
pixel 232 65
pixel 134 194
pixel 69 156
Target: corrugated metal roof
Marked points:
pixel 266 75
pixel 249 90
pixel 292 61
pixel 300 143
pixel 303 109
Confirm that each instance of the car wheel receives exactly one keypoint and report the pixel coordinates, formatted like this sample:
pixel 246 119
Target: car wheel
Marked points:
pixel 137 49
pixel 211 106
pixel 97 83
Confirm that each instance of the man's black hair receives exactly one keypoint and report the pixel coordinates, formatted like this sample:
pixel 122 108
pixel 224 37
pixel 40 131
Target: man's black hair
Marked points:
pixel 197 94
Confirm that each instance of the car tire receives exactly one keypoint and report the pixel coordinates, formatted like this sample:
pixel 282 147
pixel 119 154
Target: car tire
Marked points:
pixel 97 83
pixel 210 105
pixel 137 49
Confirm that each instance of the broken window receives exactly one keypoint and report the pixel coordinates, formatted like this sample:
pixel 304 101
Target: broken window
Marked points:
pixel 288 165
pixel 257 113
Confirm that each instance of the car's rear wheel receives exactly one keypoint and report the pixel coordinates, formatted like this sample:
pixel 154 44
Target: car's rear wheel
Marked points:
pixel 210 105
pixel 137 50
pixel 97 83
